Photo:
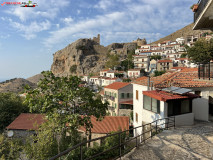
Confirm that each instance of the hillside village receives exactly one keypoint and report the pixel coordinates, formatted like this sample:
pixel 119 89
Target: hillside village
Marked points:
pixel 163 89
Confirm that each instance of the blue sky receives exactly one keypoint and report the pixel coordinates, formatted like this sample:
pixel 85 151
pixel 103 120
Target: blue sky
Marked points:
pixel 30 36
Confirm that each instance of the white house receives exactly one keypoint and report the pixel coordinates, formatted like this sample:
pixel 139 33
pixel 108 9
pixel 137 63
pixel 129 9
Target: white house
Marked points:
pixel 104 72
pixel 134 73
pixel 106 80
pixel 119 95
pixel 201 108
pixel 140 61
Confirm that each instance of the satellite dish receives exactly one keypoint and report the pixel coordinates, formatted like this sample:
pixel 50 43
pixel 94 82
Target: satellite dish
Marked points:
pixel 10 133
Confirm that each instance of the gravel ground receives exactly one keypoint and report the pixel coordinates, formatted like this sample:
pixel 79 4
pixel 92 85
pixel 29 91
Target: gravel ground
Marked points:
pixel 182 143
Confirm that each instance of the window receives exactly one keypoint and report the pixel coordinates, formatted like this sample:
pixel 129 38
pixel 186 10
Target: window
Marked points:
pixel 115 95
pixel 137 94
pixel 122 95
pixel 128 95
pixel 115 105
pixel 136 117
pixel 151 104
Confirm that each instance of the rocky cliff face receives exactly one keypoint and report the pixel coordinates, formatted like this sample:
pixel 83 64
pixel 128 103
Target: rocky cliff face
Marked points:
pixel 84 56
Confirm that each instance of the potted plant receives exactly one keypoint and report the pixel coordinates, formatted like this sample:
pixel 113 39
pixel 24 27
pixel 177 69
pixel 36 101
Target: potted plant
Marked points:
pixel 194 7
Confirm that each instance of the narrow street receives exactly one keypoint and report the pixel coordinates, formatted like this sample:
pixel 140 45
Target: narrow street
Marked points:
pixel 181 143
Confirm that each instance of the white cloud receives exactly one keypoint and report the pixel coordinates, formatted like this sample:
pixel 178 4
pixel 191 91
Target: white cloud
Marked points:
pixel 146 18
pixel 2 36
pixel 78 11
pixel 46 9
pixel 29 31
pixel 67 20
pixel 58 25
pixel 104 4
pixel 100 22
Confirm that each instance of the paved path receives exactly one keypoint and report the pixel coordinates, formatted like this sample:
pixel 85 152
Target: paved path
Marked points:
pixel 183 143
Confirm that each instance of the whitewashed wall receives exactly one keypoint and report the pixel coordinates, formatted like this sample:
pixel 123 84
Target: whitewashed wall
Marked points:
pixel 200 108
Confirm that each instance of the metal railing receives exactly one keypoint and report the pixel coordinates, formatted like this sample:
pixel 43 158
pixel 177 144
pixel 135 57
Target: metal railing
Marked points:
pixel 201 6
pixel 124 145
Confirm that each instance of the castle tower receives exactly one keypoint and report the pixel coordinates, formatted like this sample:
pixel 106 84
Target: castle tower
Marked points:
pixel 97 39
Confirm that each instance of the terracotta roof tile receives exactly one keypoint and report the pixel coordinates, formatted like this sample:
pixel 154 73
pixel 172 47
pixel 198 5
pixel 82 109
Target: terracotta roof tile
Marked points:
pixel 165 96
pixel 181 59
pixel 134 69
pixel 127 102
pixel 27 121
pixel 105 70
pixel 181 68
pixel 186 78
pixel 165 61
pixel 108 124
pixel 190 70
pixel 117 85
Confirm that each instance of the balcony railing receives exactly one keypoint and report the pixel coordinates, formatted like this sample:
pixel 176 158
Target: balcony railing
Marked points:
pixel 124 145
pixel 201 7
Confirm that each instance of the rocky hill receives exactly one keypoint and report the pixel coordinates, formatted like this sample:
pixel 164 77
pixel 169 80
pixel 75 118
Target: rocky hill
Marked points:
pixel 81 57
pixel 36 78
pixel 15 85
pixel 85 56
pixel 184 32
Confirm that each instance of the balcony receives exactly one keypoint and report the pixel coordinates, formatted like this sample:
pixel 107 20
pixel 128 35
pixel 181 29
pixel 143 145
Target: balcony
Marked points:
pixel 203 17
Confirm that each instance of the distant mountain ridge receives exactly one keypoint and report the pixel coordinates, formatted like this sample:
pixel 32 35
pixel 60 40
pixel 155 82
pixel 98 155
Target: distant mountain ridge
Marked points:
pixel 36 78
pixel 15 85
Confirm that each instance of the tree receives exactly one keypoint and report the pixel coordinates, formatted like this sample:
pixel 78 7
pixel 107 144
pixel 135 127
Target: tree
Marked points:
pixel 158 73
pixel 11 105
pixel 73 68
pixel 113 61
pixel 50 139
pixel 183 55
pixel 201 52
pixel 155 57
pixel 66 104
pixel 128 62
pixel 9 148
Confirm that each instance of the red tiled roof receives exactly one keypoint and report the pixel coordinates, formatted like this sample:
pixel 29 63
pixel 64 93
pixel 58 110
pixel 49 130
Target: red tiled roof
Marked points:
pixel 165 96
pixel 190 70
pixel 141 78
pixel 165 61
pixel 127 102
pixel 105 70
pixel 108 124
pixel 27 121
pixel 181 59
pixel 134 69
pixel 117 85
pixel 181 68
pixel 186 78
